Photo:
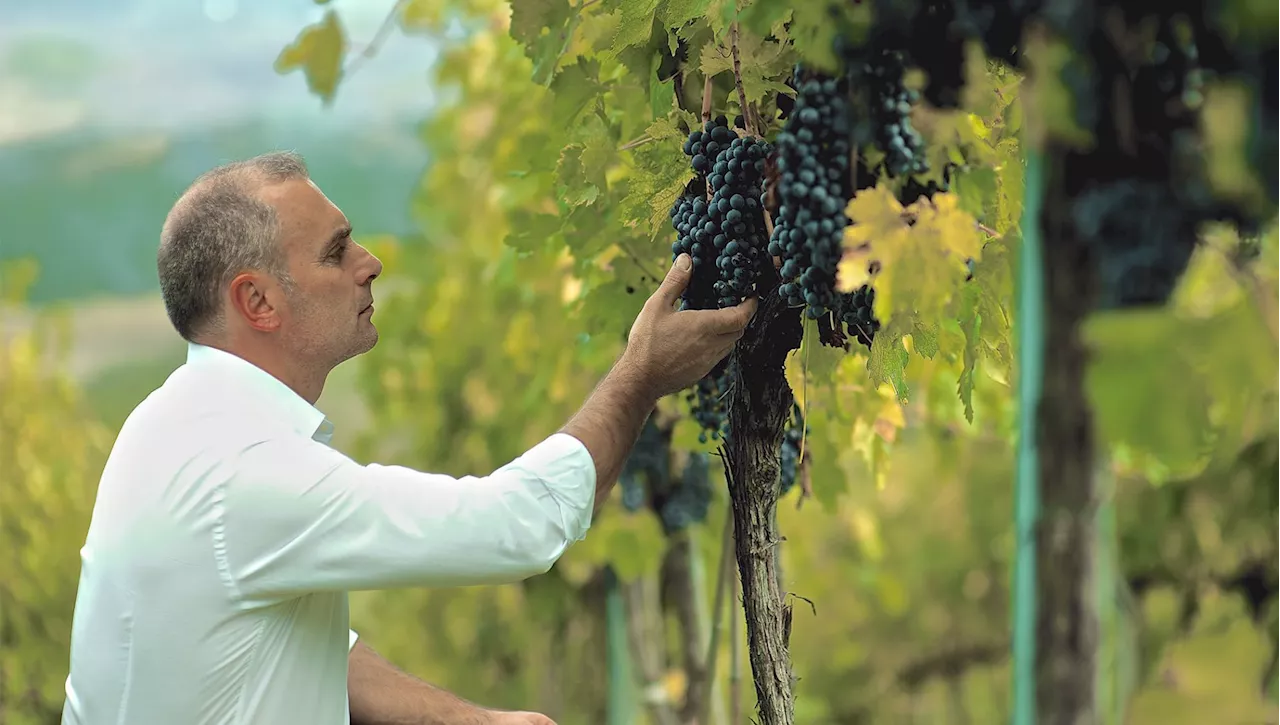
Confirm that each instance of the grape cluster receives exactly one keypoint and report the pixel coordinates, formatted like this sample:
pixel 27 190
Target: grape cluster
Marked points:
pixel 736 215
pixel 814 187
pixel 634 493
pixel 889 101
pixel 789 456
pixel 689 217
pixel 723 234
pixel 647 464
pixel 708 406
pixel 857 314
pixel 1142 237
pixel 691 497
pixel 704 145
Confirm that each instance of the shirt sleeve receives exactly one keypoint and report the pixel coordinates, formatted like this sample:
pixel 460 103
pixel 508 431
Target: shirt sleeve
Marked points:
pixel 297 516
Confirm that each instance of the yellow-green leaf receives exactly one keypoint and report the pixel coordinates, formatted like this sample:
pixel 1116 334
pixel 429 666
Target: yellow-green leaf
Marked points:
pixel 318 50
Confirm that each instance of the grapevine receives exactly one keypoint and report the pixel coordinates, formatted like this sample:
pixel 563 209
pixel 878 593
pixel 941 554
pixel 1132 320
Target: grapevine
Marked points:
pixel 833 160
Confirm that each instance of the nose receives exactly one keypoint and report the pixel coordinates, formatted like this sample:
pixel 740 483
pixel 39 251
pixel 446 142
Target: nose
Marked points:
pixel 370 266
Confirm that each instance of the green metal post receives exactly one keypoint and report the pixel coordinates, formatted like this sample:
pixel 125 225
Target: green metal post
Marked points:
pixel 622 703
pixel 1029 328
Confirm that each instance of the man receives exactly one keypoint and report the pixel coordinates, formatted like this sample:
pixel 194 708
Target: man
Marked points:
pixel 226 532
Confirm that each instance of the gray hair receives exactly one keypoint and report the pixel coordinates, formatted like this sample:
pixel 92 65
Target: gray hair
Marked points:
pixel 217 229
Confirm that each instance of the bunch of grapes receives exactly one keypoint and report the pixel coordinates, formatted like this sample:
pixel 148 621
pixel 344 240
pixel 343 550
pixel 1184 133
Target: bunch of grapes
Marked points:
pixel 1142 236
pixel 705 145
pixel 881 72
pixel 691 497
pixel 789 456
pixel 857 313
pixel 689 217
pixel 708 406
pixel 647 464
pixel 736 215
pixel 814 187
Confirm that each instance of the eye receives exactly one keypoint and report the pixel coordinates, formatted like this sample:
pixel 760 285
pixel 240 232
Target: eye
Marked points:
pixel 336 254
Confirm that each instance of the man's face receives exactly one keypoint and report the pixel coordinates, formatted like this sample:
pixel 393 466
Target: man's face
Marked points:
pixel 328 317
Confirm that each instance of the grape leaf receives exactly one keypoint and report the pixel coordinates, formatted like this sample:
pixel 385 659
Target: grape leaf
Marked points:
pixel 1009 183
pixel 318 51
pixel 811 368
pixel 660 173
pixel 531 231
pixel 573 185
pixel 529 17
pixel 1140 363
pixel 662 94
pixel 615 298
pixel 975 189
pixel 888 361
pixel 635 24
pixel 586 233
pixel 924 338
pixel 573 89
pixel 762 64
pixel 678 12
pixel 922 263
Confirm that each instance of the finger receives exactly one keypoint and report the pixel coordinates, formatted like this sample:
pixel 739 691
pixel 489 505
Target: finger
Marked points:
pixel 730 319
pixel 676 281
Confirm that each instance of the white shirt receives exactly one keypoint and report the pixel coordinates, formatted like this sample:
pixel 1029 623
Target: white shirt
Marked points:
pixel 226 534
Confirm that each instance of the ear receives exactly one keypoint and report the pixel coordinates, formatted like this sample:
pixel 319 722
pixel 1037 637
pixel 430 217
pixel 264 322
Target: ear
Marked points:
pixel 255 300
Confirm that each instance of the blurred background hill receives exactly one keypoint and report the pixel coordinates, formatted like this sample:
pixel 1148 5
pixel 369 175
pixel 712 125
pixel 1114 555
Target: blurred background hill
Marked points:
pixel 108 111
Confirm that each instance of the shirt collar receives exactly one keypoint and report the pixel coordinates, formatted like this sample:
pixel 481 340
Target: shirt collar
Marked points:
pixel 276 398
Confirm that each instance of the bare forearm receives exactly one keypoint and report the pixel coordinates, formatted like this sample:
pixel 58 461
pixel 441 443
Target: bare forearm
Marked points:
pixel 609 422
pixel 381 694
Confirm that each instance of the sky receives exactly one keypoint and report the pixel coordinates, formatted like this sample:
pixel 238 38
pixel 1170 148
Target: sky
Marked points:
pixel 140 65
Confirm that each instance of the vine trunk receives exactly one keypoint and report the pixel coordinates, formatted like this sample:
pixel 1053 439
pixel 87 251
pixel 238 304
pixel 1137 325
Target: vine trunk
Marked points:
pixel 1067 621
pixel 759 403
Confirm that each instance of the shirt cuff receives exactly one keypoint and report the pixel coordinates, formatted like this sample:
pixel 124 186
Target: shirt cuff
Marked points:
pixel 565 467
pixel 354 637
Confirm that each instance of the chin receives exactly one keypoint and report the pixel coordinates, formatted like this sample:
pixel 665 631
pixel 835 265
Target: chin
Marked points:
pixel 368 340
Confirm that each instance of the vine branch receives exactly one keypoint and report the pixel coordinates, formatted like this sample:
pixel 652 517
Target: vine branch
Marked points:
pixel 707 90
pixel 379 39
pixel 737 81
pixel 636 143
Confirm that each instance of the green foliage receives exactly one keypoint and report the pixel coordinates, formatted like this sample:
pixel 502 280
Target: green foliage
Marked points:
pixel 52 453
pixel 557 159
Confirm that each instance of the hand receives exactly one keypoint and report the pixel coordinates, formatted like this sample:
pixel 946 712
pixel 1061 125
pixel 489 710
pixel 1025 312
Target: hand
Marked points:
pixel 671 350
pixel 520 718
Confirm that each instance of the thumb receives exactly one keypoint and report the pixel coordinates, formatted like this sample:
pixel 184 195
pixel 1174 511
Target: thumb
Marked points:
pixel 676 281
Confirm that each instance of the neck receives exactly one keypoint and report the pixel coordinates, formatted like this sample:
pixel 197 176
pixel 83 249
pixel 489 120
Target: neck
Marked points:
pixel 305 380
